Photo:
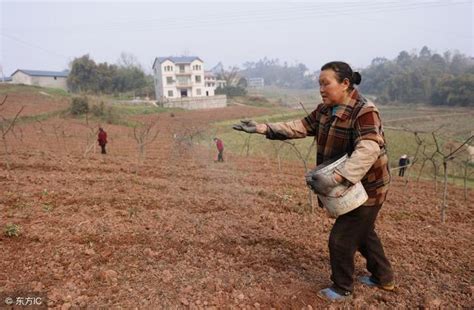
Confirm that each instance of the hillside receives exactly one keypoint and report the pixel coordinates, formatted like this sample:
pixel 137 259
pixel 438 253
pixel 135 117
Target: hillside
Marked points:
pixel 180 230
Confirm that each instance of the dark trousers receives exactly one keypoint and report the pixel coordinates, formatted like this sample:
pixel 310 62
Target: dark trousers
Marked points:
pixel 401 172
pixel 354 231
pixel 220 156
pixel 102 146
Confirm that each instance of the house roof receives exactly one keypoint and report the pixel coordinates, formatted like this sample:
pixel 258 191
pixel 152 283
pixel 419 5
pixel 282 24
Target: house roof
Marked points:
pixel 43 73
pixel 6 78
pixel 177 59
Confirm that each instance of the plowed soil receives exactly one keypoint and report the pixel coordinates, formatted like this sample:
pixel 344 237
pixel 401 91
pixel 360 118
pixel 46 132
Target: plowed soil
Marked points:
pixel 179 230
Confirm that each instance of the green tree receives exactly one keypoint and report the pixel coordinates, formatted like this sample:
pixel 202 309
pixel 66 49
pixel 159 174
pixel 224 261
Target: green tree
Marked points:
pixel 455 91
pixel 427 77
pixel 87 76
pixel 83 75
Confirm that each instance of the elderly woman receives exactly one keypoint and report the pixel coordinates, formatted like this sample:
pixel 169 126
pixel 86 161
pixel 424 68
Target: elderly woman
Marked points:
pixel 345 123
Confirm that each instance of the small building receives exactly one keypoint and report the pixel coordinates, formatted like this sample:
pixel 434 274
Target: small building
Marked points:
pixel 53 79
pixel 211 83
pixel 257 82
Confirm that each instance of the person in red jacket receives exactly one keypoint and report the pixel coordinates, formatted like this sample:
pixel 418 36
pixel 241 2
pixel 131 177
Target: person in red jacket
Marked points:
pixel 102 139
pixel 220 148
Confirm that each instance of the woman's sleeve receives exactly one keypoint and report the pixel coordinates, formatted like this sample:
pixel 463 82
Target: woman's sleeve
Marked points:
pixel 364 156
pixel 369 127
pixel 288 130
pixel 368 143
pixel 292 130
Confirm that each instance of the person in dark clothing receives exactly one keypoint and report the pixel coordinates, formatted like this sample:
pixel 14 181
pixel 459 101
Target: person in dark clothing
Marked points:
pixel 345 123
pixel 102 139
pixel 403 164
pixel 220 149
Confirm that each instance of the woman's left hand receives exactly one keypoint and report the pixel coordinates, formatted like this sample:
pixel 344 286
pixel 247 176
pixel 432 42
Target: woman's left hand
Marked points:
pixel 323 184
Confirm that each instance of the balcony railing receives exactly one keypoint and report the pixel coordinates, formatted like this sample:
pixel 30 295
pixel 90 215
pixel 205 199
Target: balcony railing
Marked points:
pixel 184 72
pixel 183 84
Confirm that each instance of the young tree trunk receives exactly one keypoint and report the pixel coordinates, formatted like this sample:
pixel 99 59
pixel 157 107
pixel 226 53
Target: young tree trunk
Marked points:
pixel 421 170
pixel 435 177
pixel 445 192
pixel 310 200
pixel 248 146
pixel 466 165
pixel 7 155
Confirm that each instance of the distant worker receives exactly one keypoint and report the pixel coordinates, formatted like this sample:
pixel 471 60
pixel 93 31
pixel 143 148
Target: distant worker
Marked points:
pixel 102 139
pixel 403 164
pixel 220 149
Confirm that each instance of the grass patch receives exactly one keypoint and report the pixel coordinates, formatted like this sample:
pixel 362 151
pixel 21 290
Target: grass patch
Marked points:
pixel 257 145
pixel 12 230
pixel 286 94
pixel 130 110
pixel 55 92
pixel 41 117
pixel 399 142
pixel 21 88
pixel 254 101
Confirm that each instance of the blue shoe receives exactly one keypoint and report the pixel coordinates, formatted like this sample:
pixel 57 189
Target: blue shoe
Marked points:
pixel 369 281
pixel 331 295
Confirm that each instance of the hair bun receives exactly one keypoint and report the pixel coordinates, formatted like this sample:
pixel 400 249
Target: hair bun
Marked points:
pixel 356 78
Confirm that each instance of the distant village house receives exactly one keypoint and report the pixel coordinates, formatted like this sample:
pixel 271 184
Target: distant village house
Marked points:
pixel 183 82
pixel 177 77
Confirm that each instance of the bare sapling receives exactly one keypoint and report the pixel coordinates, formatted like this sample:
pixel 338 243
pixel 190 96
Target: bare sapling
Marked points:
pixel 278 147
pixel 466 165
pixel 246 146
pixel 144 135
pixel 92 131
pixel 6 126
pixel 431 158
pixel 184 141
pixel 304 159
pixel 419 143
pixel 60 134
pixel 446 158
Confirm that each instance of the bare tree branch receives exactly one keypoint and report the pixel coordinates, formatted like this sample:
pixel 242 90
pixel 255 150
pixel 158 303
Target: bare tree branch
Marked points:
pixel 4 100
pixel 12 123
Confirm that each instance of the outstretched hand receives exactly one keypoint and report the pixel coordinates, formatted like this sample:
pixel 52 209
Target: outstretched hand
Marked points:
pixel 249 126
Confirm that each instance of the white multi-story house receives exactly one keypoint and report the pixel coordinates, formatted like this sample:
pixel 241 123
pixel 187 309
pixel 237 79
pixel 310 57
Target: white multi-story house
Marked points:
pixel 178 77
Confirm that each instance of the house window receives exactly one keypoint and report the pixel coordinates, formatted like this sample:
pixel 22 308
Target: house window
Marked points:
pixel 170 93
pixel 198 91
pixel 55 78
pixel 183 80
pixel 168 68
pixel 197 67
pixel 181 68
pixel 169 80
pixel 198 78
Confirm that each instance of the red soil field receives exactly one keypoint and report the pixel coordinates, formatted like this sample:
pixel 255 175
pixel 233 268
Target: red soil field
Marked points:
pixel 182 231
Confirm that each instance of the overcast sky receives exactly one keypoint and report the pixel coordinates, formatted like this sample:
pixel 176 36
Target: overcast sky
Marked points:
pixel 48 35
